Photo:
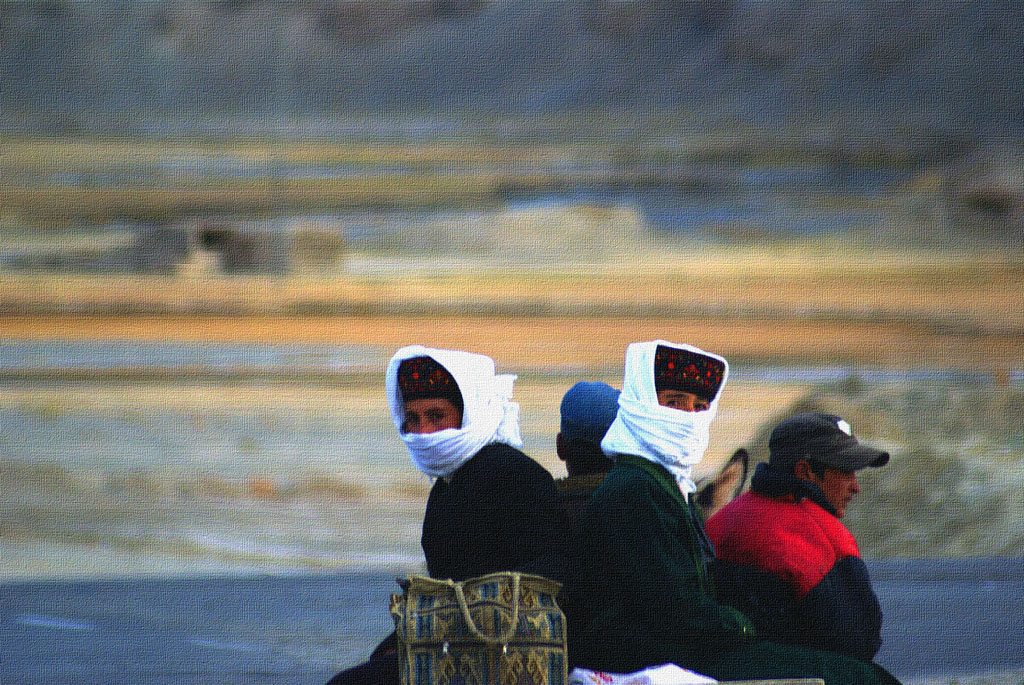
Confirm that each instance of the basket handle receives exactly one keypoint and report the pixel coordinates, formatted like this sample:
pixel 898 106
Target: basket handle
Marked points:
pixel 503 640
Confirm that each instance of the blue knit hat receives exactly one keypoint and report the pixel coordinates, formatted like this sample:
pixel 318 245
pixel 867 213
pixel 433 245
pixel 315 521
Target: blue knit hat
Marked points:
pixel 588 410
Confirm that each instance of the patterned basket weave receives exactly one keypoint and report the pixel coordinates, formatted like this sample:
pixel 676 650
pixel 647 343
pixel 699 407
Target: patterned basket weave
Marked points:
pixel 498 629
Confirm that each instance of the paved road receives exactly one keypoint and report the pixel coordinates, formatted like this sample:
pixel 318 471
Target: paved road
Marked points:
pixel 942 618
pixel 951 617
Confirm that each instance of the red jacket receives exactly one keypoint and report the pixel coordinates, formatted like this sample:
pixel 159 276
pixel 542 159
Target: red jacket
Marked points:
pixel 785 560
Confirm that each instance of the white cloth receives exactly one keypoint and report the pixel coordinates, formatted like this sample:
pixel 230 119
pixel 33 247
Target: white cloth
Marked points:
pixel 673 438
pixel 488 413
pixel 666 674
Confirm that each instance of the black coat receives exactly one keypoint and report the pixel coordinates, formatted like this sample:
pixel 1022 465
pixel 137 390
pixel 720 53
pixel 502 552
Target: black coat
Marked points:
pixel 498 512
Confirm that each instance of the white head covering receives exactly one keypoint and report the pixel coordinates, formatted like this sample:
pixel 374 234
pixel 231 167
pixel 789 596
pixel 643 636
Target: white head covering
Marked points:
pixel 488 413
pixel 667 436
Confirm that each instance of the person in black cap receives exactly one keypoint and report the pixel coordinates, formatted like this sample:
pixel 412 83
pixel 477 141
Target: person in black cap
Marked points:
pixel 784 558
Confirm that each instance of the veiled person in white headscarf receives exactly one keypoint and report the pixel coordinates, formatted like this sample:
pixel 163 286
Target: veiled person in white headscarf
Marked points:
pixel 492 508
pixel 469 382
pixel 642 588
pixel 669 399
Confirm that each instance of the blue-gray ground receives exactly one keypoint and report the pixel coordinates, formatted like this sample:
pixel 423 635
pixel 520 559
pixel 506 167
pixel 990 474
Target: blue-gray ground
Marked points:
pixel 943 619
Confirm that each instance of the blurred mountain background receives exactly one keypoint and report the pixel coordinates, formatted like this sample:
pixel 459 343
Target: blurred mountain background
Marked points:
pixel 947 68
pixel 219 217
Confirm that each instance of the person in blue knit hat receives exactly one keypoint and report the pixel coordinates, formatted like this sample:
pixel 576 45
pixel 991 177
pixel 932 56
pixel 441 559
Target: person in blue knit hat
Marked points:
pixel 587 410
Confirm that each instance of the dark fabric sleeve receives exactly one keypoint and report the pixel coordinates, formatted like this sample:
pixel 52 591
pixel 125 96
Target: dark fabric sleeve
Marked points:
pixel 380 670
pixel 767 600
pixel 533 522
pixel 842 612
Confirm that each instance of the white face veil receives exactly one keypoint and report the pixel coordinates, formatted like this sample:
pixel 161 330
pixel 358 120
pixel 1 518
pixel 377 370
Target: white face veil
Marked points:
pixel 488 413
pixel 673 438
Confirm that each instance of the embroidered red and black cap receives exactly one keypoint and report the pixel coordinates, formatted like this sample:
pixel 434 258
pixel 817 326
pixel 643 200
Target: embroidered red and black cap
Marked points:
pixel 423 377
pixel 687 371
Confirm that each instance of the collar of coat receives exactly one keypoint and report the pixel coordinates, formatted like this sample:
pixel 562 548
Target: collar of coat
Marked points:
pixel 580 483
pixel 662 475
pixel 774 483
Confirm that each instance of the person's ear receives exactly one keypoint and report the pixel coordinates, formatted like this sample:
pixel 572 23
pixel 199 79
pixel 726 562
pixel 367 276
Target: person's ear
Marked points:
pixel 560 447
pixel 802 470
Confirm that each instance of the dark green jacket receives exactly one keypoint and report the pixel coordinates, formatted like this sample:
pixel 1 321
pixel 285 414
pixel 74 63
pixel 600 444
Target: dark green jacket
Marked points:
pixel 642 596
pixel 641 579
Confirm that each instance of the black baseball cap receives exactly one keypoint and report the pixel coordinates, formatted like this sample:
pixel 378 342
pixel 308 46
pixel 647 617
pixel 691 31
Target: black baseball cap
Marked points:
pixel 824 438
